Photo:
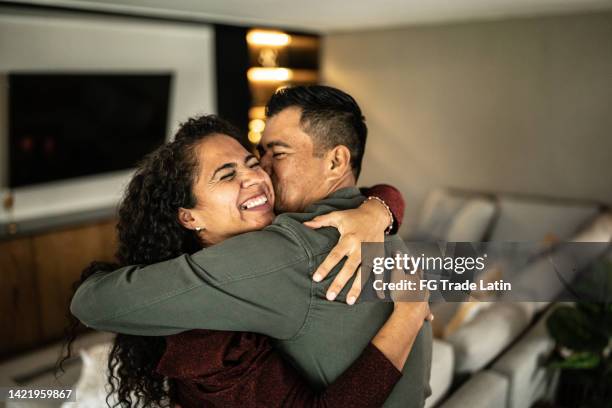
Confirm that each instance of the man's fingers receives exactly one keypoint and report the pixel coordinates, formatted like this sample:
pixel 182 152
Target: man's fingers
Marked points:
pixel 325 220
pixel 355 291
pixel 333 258
pixel 345 274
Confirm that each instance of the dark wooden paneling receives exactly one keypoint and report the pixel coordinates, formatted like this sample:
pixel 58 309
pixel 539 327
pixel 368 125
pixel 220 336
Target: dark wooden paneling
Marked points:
pixel 38 274
pixel 60 257
pixel 19 307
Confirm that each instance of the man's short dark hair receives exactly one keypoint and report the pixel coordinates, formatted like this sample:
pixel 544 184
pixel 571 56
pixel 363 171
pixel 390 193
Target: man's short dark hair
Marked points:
pixel 331 117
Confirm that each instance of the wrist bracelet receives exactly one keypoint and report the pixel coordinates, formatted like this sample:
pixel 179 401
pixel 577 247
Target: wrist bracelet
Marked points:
pixel 389 212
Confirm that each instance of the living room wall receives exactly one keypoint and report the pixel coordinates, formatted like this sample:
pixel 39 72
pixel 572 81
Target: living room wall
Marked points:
pixel 59 42
pixel 517 105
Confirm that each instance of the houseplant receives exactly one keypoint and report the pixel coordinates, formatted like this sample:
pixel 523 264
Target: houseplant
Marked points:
pixel 583 336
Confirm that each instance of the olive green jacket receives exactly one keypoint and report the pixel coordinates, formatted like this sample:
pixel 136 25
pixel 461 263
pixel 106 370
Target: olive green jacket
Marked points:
pixel 258 282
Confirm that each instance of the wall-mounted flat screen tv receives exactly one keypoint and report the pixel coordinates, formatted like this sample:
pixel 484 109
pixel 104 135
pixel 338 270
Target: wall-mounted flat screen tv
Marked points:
pixel 66 125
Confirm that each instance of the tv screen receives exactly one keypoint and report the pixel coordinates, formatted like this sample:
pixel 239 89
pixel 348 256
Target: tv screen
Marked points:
pixel 70 125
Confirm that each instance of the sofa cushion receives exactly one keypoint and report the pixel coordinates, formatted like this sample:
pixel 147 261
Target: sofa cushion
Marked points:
pixel 450 316
pixel 472 221
pixel 523 366
pixel 538 221
pixel 480 340
pixel 539 280
pixel 442 360
pixel 454 217
pixel 439 209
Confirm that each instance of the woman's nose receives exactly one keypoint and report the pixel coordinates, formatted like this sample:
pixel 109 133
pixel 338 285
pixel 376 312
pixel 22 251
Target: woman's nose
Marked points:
pixel 251 177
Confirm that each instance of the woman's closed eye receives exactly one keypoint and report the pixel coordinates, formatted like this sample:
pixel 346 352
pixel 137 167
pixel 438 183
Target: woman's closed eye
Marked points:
pixel 278 155
pixel 228 176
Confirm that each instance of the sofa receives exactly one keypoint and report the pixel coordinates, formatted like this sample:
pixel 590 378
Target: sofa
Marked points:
pixel 489 354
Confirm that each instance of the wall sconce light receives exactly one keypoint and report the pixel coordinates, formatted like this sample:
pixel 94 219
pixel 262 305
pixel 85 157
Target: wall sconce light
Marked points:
pixel 268 38
pixel 269 74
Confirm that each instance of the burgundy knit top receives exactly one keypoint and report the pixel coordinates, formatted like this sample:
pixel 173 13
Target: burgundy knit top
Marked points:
pixel 212 368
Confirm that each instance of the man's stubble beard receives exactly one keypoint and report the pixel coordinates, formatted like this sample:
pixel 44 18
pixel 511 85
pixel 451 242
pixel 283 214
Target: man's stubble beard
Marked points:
pixel 279 205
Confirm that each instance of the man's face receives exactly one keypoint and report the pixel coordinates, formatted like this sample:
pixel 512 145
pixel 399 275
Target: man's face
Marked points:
pixel 287 156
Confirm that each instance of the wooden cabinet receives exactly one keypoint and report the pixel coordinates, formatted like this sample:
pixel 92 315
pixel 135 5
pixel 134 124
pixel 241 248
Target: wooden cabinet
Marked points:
pixel 20 311
pixel 38 273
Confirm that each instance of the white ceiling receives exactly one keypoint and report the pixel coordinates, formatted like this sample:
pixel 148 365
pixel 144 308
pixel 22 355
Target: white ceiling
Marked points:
pixel 335 15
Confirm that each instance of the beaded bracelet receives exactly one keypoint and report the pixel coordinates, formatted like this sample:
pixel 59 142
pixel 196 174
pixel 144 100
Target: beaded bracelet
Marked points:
pixel 380 200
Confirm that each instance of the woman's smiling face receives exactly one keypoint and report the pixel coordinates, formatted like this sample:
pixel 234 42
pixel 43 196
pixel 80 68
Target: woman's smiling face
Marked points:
pixel 234 194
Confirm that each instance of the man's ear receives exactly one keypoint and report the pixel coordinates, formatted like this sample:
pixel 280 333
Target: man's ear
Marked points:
pixel 339 159
pixel 186 218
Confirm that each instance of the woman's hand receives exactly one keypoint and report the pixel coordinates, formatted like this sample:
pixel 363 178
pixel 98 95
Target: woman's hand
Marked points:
pixel 367 223
pixel 416 299
pixel 396 338
pixel 411 309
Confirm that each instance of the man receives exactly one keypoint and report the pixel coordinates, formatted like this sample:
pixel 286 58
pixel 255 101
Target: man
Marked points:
pixel 263 281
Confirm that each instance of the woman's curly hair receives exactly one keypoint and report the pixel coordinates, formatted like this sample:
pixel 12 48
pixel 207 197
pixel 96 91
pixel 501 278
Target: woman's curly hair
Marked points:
pixel 149 232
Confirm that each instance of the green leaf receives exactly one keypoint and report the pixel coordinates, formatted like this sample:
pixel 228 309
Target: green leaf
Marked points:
pixel 578 361
pixel 572 329
pixel 596 282
pixel 591 309
pixel 599 316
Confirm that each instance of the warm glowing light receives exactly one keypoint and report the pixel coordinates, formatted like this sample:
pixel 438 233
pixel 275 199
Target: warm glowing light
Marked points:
pixel 269 74
pixel 257 125
pixel 257 112
pixel 268 38
pixel 254 137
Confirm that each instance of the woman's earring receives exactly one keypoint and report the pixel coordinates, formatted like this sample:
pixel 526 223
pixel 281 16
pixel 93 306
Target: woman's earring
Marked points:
pixel 198 229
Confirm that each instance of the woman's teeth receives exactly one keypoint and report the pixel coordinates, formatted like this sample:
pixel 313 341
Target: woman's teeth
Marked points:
pixel 254 202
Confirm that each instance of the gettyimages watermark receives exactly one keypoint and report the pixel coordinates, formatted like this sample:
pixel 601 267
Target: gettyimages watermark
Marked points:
pixel 486 271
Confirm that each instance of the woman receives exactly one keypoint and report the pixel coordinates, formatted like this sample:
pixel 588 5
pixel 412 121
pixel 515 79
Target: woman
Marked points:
pixel 176 189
